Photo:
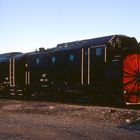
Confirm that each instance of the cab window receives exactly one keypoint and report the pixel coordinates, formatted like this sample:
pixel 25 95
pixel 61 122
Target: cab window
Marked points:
pixel 98 51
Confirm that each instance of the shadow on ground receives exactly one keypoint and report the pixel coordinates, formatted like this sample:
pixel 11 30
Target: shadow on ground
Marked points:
pixel 132 127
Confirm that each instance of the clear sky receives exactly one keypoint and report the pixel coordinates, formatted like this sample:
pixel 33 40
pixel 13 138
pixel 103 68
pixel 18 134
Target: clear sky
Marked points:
pixel 26 25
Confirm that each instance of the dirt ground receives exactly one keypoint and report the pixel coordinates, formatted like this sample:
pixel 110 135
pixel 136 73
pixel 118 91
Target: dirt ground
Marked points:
pixel 43 120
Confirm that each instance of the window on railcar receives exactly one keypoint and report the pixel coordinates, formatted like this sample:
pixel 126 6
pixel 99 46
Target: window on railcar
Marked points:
pixel 37 60
pixel 98 52
pixel 71 57
pixel 99 55
pixel 53 59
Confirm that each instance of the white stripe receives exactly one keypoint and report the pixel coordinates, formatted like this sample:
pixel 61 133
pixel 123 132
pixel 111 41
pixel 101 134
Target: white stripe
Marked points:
pixel 25 78
pixel 14 72
pixel 10 72
pixel 88 66
pixel 28 77
pixel 105 56
pixel 82 67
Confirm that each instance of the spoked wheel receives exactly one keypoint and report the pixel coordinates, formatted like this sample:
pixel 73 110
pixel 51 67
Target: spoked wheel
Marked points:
pixel 131 78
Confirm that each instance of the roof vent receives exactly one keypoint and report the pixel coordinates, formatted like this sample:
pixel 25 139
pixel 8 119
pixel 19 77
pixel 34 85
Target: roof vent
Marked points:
pixel 41 49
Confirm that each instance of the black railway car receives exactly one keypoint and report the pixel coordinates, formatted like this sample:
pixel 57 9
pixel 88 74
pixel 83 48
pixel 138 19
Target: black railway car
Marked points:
pixel 29 75
pixel 103 69
pixel 97 68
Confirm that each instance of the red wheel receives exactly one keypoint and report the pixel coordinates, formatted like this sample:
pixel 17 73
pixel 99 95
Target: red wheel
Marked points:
pixel 131 78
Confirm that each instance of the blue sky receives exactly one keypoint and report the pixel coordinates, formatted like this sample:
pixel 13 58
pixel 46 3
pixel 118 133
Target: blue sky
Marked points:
pixel 26 25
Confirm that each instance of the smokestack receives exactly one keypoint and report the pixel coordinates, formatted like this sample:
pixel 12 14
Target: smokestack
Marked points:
pixel 41 49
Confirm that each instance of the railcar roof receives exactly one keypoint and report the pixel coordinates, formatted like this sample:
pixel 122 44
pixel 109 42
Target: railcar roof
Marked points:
pixel 9 55
pixel 20 56
pixel 86 43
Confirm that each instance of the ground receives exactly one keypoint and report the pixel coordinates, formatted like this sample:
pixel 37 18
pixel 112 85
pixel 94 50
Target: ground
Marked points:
pixel 43 120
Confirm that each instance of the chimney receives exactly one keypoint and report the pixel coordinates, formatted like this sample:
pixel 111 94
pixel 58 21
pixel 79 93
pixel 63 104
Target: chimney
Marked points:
pixel 41 49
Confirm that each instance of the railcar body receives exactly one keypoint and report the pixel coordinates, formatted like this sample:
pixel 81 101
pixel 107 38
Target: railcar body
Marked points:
pixel 94 68
pixel 103 69
pixel 99 68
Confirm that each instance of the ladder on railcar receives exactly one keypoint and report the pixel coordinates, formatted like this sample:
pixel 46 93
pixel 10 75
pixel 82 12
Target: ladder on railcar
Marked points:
pixel 12 72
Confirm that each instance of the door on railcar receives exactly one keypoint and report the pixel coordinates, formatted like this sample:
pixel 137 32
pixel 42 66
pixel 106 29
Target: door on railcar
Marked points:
pixel 17 75
pixel 97 65
pixel 22 74
pixel 93 65
pixel 36 75
pixel 72 67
